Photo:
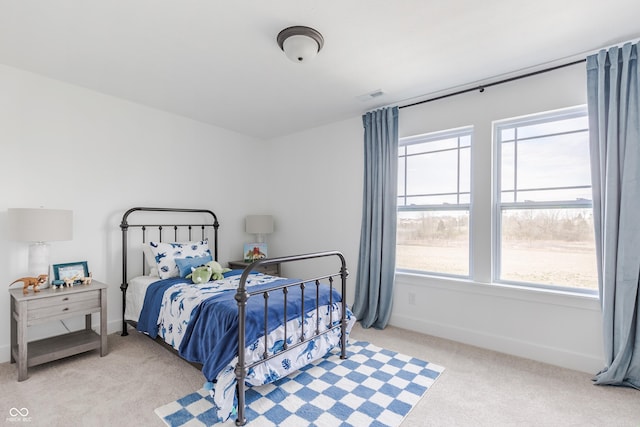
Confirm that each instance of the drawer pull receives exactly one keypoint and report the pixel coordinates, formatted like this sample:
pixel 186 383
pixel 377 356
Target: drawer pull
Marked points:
pixel 65 309
pixel 65 299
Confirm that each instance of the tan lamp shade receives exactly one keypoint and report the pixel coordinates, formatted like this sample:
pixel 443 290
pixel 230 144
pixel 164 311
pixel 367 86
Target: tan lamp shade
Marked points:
pixel 259 225
pixel 40 225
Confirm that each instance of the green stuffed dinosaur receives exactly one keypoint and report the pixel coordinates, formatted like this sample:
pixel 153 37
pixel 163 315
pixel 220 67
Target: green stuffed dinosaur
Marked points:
pixel 217 270
pixel 204 273
pixel 200 274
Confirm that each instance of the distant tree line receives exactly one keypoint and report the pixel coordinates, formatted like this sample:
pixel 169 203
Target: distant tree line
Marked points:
pixel 570 225
pixel 431 227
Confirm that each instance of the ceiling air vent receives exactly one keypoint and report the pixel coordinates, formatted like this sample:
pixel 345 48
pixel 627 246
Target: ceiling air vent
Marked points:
pixel 371 95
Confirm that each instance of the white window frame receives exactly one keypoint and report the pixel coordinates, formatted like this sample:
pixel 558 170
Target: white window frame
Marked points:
pixel 499 206
pixel 436 136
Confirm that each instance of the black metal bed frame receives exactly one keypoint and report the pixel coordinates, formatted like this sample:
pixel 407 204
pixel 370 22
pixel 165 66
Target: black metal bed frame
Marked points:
pixel 242 295
pixel 124 226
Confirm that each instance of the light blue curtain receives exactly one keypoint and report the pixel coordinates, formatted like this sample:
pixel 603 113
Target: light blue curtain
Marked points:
pixel 613 86
pixel 377 260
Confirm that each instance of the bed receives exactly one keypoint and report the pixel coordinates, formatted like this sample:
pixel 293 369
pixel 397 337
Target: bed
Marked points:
pixel 243 329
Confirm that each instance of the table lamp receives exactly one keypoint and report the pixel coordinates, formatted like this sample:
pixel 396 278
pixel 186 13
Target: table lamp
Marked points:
pixel 39 226
pixel 258 225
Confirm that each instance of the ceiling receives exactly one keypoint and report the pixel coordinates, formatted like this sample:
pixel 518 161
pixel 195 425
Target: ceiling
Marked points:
pixel 218 61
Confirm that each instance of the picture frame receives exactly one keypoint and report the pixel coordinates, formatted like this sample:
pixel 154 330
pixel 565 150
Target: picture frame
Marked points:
pixel 70 269
pixel 254 251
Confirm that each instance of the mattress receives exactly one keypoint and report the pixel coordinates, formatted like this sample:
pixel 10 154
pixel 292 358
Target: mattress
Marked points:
pixel 135 296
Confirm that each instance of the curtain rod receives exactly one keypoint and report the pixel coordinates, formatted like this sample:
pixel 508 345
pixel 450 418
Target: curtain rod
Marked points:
pixel 481 88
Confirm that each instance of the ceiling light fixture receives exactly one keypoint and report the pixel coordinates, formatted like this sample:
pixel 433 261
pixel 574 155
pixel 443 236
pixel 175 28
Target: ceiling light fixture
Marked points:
pixel 299 43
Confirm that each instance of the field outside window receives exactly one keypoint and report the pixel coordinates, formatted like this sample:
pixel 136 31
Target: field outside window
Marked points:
pixel 544 226
pixel 434 192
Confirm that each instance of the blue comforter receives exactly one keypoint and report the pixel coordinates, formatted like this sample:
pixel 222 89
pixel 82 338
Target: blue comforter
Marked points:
pixel 211 337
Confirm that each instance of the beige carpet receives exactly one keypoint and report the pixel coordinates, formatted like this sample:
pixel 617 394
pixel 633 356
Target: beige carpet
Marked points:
pixel 478 388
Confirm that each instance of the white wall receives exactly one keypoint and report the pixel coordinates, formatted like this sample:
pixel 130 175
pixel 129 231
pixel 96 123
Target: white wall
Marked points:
pixel 310 181
pixel 64 147
pixel 317 196
pixel 324 165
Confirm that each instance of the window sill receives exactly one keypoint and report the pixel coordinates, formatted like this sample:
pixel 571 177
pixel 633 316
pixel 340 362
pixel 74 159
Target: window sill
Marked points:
pixel 501 290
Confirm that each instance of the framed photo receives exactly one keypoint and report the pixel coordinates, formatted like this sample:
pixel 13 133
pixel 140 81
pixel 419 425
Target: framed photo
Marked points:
pixel 72 269
pixel 254 251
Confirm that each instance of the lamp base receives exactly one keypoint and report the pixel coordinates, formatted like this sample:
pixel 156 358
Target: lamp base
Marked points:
pixel 39 261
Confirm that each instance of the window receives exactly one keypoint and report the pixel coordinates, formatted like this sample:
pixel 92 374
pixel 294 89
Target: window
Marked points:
pixel 544 219
pixel 434 191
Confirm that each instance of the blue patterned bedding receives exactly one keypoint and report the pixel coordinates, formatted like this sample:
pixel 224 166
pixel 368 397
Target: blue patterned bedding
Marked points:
pixel 201 322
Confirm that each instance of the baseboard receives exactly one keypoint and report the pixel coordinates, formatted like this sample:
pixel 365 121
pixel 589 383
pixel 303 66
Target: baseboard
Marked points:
pixel 554 356
pixel 114 326
pixel 5 353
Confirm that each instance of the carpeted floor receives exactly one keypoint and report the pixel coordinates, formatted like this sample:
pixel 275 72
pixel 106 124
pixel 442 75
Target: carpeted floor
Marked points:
pixel 373 386
pixel 478 388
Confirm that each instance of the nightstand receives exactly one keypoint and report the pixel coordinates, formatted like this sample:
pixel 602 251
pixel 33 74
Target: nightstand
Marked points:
pixel 51 305
pixel 272 270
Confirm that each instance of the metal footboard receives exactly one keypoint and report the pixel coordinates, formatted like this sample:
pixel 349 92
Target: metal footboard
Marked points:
pixel 242 296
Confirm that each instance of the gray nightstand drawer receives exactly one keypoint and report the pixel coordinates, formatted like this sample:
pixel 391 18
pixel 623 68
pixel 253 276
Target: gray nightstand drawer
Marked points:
pixel 272 269
pixel 61 305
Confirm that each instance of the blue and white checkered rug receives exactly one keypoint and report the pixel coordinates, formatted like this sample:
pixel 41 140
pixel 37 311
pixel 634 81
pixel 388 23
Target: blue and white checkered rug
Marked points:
pixel 373 387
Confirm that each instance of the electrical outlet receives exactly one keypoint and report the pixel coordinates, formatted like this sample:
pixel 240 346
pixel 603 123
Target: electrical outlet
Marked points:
pixel 412 298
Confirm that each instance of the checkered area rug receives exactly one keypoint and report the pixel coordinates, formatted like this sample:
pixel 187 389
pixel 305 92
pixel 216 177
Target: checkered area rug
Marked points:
pixel 373 387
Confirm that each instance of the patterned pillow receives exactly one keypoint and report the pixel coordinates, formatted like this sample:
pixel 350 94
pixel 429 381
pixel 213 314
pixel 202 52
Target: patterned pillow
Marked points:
pixel 152 267
pixel 166 253
pixel 185 264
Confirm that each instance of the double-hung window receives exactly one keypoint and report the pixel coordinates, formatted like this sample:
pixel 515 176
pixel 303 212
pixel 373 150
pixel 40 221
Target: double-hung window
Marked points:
pixel 543 207
pixel 434 192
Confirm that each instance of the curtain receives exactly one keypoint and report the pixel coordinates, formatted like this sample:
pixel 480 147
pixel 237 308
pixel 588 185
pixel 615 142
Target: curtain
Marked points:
pixel 377 259
pixel 614 122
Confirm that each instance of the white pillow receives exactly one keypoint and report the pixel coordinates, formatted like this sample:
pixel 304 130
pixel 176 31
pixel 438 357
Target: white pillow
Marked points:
pixel 150 259
pixel 166 253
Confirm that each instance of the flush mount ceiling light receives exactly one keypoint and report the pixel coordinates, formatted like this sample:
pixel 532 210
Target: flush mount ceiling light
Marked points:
pixel 299 43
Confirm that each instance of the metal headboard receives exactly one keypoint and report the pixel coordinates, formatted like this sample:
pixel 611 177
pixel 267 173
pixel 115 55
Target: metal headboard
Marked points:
pixel 190 226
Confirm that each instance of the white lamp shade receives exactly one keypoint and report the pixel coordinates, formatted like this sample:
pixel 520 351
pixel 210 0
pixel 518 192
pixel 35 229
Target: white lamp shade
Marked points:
pixel 300 48
pixel 40 225
pixel 259 224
